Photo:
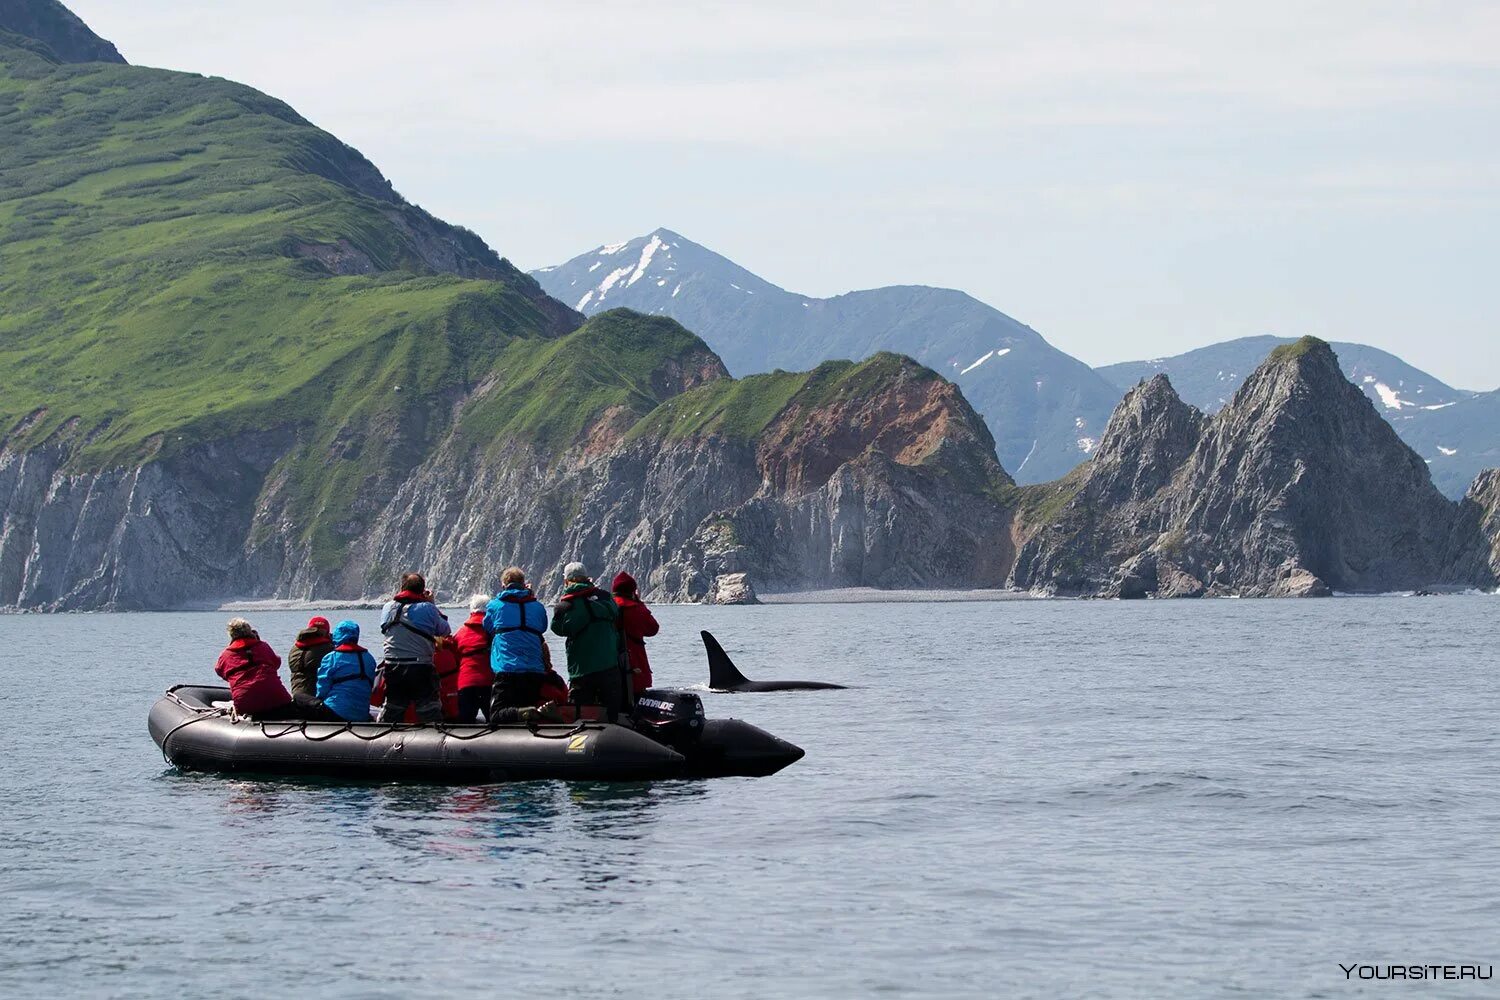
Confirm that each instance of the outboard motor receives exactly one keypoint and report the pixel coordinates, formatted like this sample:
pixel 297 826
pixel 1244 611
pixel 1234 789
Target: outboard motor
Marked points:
pixel 670 716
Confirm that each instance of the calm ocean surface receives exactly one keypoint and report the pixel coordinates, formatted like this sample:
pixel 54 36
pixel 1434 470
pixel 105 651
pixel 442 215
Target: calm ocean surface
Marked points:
pixel 1026 798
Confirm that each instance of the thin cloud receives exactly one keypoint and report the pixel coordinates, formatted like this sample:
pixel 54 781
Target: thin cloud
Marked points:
pixel 782 75
pixel 1129 177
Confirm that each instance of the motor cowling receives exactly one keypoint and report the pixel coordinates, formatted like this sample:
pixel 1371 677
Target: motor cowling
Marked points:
pixel 670 716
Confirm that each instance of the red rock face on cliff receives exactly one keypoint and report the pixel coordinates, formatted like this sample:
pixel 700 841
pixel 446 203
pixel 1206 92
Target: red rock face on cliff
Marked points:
pixel 890 405
pixel 877 474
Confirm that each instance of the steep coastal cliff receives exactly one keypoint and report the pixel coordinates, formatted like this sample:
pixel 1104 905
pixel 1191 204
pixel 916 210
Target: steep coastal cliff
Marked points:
pixel 238 364
pixel 876 474
pixel 1479 518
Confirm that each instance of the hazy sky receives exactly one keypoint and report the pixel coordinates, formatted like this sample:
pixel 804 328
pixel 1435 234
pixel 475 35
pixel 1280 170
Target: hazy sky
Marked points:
pixel 1132 179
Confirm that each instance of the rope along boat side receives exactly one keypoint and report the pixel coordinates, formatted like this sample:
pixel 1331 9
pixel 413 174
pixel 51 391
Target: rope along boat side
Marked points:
pixel 668 741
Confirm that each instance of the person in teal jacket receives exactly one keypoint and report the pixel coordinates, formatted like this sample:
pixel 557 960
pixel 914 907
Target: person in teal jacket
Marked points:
pixel 346 675
pixel 517 623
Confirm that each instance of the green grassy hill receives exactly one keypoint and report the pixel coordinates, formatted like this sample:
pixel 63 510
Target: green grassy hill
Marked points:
pixel 549 394
pixel 184 257
pixel 236 363
pixel 185 260
pixel 743 408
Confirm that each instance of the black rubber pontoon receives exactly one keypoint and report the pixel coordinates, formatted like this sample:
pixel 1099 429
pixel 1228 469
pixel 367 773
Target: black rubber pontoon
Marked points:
pixel 196 736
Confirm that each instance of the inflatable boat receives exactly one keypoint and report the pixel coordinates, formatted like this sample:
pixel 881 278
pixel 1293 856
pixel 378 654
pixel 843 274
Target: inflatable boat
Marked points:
pixel 667 738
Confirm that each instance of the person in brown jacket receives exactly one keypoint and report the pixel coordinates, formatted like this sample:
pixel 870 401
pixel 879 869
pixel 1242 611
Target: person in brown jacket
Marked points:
pixel 313 643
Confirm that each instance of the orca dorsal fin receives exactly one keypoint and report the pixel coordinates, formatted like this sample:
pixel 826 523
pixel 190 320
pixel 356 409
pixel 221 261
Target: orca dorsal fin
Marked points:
pixel 723 675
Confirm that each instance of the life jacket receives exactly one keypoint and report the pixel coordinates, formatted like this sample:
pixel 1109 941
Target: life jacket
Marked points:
pixel 356 649
pixel 520 602
pixel 403 599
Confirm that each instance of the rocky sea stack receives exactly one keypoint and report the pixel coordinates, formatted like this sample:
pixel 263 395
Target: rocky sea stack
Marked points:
pixel 1296 487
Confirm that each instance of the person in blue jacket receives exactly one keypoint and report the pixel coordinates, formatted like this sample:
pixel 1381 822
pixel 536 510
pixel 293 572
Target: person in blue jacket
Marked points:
pixel 517 624
pixel 346 675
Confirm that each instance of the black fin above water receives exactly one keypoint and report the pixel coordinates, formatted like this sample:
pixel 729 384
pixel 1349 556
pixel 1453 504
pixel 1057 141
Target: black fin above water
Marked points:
pixel 723 675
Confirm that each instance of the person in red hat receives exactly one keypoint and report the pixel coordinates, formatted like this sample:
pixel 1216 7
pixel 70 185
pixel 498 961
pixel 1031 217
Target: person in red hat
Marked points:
pixel 313 643
pixel 637 624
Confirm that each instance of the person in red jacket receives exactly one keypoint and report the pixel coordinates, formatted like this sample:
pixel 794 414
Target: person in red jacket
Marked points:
pixel 249 666
pixel 445 662
pixel 475 676
pixel 554 688
pixel 636 625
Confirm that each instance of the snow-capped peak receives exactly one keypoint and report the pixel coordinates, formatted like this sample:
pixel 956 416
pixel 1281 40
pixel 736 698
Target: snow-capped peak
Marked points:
pixel 654 262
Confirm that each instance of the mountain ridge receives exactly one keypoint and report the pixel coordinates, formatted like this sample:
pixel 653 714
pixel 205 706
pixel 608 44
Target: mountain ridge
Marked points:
pixel 1044 408
pixel 54 32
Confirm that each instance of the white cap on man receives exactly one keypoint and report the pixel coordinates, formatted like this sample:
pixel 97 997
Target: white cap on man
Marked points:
pixel 575 571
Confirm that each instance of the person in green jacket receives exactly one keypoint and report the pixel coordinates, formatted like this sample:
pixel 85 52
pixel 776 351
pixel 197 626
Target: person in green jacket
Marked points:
pixel 587 617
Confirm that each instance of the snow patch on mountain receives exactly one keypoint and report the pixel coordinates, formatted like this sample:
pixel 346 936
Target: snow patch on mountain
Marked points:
pixel 1389 396
pixel 611 278
pixel 1025 461
pixel 647 252
pixel 999 353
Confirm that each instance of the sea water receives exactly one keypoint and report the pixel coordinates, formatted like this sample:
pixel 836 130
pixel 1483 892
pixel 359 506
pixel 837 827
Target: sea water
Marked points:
pixel 1025 798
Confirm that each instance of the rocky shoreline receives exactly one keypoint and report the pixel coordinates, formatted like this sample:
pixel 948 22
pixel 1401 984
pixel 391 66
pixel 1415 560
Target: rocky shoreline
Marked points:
pixel 1295 488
